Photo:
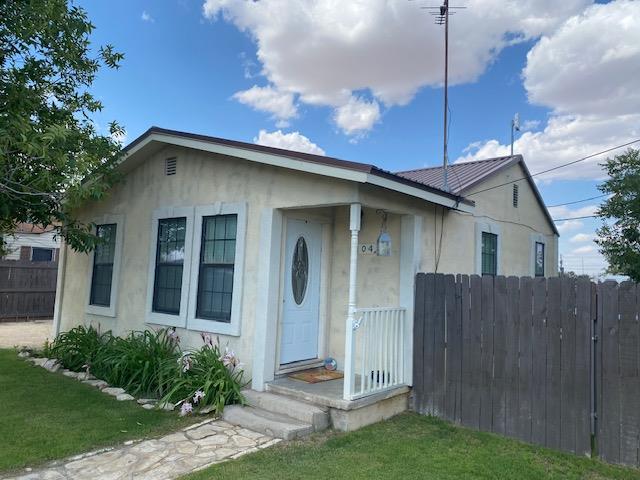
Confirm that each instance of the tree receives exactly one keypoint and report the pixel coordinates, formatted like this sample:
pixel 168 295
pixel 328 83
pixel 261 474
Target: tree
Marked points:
pixel 619 238
pixel 52 157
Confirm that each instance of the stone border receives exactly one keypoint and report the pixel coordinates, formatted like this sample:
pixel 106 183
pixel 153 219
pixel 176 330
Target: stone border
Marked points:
pixel 52 365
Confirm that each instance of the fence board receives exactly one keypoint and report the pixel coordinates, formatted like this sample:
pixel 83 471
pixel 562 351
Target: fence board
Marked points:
pixel 419 390
pixel 498 394
pixel 584 318
pixel 486 372
pixel 525 375
pixel 27 289
pixel 473 351
pixel 439 347
pixel 539 362
pixel 609 418
pixel 453 340
pixel 628 370
pixel 568 366
pixel 511 364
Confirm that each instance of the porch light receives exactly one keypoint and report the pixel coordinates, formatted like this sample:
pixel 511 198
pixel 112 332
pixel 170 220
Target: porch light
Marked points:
pixel 384 239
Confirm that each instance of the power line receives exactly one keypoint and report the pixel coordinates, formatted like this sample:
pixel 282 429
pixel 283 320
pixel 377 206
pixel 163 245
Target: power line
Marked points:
pixel 577 201
pixel 558 166
pixel 574 218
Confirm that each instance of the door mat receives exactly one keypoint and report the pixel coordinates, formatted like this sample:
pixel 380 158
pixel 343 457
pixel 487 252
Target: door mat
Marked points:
pixel 316 375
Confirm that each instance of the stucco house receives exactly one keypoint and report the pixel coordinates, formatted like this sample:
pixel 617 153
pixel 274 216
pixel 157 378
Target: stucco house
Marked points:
pixel 291 257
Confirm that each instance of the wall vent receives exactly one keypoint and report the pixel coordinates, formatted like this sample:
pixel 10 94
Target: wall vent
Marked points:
pixel 515 196
pixel 170 166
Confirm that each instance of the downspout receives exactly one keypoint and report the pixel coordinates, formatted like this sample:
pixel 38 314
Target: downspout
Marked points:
pixel 349 350
pixel 62 270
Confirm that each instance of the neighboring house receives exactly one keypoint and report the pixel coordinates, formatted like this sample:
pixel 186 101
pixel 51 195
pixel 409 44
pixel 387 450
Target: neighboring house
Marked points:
pixel 274 251
pixel 33 243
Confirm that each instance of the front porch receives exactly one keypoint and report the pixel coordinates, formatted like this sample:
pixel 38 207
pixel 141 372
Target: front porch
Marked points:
pixel 365 320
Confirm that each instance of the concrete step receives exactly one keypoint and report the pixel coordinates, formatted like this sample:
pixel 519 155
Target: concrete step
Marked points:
pixel 305 412
pixel 268 423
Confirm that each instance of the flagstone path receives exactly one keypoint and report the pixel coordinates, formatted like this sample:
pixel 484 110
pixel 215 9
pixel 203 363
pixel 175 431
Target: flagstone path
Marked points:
pixel 168 457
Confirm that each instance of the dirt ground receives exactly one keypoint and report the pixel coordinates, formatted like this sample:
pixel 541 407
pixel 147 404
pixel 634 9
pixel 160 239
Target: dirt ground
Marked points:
pixel 29 334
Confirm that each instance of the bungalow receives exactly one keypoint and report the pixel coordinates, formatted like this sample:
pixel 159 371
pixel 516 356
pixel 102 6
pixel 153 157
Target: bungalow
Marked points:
pixel 291 258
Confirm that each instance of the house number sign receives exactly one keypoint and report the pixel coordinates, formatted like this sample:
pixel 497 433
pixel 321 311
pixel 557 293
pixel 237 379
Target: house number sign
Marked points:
pixel 368 249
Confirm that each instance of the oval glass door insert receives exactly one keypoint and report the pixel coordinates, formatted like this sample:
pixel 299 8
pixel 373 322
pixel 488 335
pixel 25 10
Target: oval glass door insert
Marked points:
pixel 300 270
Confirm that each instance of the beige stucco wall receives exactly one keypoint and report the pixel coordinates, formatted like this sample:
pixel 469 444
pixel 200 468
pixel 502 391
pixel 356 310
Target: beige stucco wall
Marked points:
pixel 204 178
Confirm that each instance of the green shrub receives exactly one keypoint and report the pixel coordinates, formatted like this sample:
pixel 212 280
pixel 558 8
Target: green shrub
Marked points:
pixel 77 348
pixel 144 362
pixel 207 378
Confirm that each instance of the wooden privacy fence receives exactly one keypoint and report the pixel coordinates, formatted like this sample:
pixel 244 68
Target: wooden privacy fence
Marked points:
pixel 27 289
pixel 517 356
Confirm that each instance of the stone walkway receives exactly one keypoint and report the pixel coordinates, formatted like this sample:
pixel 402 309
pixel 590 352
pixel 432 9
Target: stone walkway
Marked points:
pixel 25 334
pixel 168 457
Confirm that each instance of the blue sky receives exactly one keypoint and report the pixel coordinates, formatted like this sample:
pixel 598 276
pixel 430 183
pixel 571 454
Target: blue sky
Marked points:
pixel 363 82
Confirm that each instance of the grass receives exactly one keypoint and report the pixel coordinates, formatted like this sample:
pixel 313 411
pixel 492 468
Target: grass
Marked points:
pixel 48 416
pixel 412 447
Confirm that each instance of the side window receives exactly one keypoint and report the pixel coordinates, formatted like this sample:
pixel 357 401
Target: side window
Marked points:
pixel 170 256
pixel 41 254
pixel 489 253
pixel 103 260
pixel 217 260
pixel 539 259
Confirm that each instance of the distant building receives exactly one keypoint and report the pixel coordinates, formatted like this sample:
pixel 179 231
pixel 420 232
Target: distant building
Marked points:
pixel 33 243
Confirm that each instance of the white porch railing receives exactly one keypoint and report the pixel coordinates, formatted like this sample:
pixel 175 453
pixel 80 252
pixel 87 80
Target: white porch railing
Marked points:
pixel 377 357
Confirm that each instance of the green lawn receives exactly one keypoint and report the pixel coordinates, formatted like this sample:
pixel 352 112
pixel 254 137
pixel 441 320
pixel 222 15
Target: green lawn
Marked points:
pixel 45 416
pixel 411 447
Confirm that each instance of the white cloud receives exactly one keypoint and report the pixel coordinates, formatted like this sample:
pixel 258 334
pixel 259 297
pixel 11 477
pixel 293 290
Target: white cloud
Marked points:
pixel 327 51
pixel 357 115
pixel 289 141
pixel 582 238
pixel 268 99
pixel 146 17
pixel 569 226
pixel 565 212
pixel 589 80
pixel 586 249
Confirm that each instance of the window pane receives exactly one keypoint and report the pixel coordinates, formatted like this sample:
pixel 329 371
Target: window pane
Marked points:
pixel 167 289
pixel 539 257
pixel 489 253
pixel 41 254
pixel 102 275
pixel 217 257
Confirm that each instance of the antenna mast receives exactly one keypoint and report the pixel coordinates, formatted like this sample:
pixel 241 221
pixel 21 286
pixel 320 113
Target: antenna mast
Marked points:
pixel 442 14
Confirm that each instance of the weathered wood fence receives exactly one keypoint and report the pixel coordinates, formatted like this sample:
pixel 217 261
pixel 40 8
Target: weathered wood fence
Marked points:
pixel 517 356
pixel 27 289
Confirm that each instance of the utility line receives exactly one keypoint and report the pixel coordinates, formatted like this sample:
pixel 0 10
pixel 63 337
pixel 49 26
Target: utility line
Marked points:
pixel 577 201
pixel 574 218
pixel 557 167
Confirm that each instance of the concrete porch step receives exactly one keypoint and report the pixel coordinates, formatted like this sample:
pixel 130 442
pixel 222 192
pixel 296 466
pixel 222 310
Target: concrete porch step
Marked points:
pixel 268 423
pixel 317 416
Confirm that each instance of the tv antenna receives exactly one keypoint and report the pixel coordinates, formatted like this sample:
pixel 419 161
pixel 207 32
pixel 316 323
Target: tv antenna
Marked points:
pixel 515 127
pixel 441 14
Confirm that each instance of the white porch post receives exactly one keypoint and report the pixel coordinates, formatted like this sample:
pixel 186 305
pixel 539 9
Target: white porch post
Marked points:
pixel 349 347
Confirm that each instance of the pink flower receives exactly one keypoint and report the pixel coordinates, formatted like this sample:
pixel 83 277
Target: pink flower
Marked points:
pixel 186 409
pixel 229 359
pixel 185 362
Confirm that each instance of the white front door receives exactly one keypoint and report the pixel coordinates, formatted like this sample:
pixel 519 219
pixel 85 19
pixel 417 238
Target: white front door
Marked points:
pixel 301 306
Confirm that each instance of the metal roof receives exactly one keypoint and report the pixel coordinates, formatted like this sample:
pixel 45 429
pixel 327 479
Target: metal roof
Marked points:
pixel 460 176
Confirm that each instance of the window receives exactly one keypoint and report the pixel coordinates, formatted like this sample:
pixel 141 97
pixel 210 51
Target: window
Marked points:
pixel 41 254
pixel 539 259
pixel 103 259
pixel 489 253
pixel 217 259
pixel 515 196
pixel 170 255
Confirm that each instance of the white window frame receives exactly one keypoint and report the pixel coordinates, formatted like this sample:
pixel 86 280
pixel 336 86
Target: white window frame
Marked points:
pixel 111 310
pixel 533 239
pixel 488 227
pixel 167 319
pixel 206 325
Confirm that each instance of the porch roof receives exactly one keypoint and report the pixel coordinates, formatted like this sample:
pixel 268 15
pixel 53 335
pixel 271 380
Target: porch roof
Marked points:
pixel 155 138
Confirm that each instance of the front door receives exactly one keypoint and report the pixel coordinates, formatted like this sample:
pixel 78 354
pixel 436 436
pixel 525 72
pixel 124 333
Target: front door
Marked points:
pixel 301 306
